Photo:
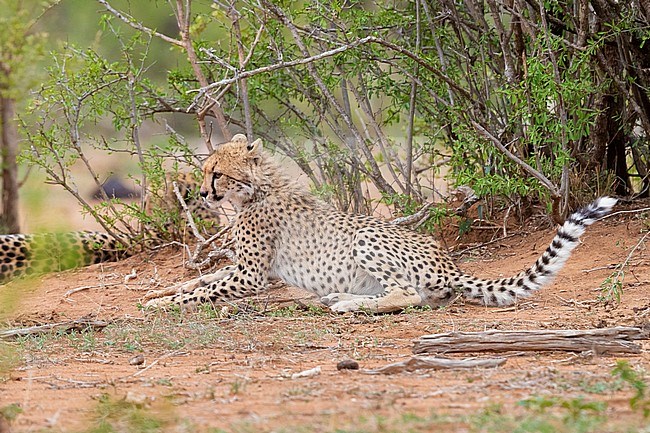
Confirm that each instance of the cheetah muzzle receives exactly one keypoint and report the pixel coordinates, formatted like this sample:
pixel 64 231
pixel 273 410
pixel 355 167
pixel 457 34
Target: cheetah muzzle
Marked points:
pixel 351 261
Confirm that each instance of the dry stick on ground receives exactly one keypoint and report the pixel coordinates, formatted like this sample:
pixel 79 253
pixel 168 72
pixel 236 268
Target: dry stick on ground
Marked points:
pixel 82 288
pixel 73 325
pixel 423 362
pixel 99 286
pixel 606 340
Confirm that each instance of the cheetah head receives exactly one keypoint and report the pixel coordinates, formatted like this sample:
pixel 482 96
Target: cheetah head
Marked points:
pixel 228 172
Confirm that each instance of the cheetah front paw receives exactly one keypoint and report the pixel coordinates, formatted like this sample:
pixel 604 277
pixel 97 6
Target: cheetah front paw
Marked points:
pixel 176 289
pixel 154 295
pixel 162 303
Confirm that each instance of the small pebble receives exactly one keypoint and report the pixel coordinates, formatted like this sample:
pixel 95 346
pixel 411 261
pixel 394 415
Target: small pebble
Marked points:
pixel 347 364
pixel 137 360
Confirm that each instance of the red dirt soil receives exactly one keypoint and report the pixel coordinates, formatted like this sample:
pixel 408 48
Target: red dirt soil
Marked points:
pixel 234 372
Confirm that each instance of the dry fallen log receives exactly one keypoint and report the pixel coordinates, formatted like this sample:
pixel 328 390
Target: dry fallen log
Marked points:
pixel 72 325
pixel 423 362
pixel 605 340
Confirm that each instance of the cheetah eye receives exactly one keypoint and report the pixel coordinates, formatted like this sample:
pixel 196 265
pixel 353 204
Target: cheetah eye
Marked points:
pixel 217 175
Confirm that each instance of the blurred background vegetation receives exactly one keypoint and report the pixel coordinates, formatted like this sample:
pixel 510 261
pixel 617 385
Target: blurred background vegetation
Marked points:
pixel 377 103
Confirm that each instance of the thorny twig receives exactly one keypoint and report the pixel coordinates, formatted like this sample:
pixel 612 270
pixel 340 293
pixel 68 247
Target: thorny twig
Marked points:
pixel 550 186
pixel 374 170
pixel 183 19
pixel 61 179
pixel 421 215
pixel 136 25
pixel 307 60
pixel 243 84
pixel 283 65
pixel 408 173
pixel 135 125
pixel 613 285
pixel 216 253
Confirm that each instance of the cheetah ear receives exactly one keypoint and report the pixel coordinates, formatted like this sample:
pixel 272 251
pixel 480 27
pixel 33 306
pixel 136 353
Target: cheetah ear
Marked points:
pixel 239 138
pixel 255 151
pixel 254 148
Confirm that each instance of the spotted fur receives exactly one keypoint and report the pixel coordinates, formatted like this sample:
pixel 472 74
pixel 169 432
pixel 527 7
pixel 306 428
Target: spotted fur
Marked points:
pixel 351 261
pixel 29 254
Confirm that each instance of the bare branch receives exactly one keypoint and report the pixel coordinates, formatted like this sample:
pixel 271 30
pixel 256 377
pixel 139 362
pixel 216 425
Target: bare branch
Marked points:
pixel 530 170
pixel 188 214
pixel 243 84
pixel 136 25
pixel 375 172
pixel 183 14
pixel 282 65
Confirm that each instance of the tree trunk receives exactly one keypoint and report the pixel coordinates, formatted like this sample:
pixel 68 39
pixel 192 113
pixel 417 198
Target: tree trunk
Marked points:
pixel 615 161
pixel 9 151
pixel 608 133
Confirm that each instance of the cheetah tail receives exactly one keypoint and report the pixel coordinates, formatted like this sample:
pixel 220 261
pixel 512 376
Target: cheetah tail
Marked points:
pixel 505 291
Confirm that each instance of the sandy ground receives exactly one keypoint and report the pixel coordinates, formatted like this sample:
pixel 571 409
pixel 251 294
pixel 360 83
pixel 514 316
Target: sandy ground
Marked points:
pixel 232 371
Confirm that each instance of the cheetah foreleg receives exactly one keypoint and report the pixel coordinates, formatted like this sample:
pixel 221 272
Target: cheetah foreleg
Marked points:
pixel 191 285
pixel 236 284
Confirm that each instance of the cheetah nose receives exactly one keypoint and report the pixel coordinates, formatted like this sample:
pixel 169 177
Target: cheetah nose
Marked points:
pixel 203 194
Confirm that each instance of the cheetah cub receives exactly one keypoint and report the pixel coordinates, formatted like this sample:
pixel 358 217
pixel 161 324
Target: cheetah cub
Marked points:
pixel 351 261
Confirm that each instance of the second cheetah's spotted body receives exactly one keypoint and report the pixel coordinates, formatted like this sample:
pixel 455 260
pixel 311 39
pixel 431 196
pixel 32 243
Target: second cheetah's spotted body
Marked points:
pixel 28 254
pixel 352 262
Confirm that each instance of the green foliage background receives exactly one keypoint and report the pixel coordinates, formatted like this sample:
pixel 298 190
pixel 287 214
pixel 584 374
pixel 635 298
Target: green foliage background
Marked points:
pixel 405 93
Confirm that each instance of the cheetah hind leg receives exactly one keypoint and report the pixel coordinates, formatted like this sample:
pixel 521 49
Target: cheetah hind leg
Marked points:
pixel 397 295
pixel 157 298
pixel 336 297
pixel 393 298
pixel 398 292
pixel 344 302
